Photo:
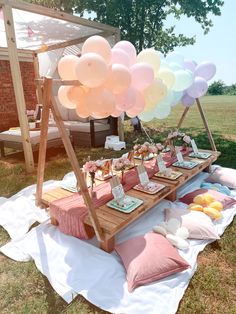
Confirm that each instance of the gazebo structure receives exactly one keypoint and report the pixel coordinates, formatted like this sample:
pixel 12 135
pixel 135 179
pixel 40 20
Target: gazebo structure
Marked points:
pixel 30 30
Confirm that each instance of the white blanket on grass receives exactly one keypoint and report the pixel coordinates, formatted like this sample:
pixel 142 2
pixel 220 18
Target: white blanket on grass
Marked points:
pixel 78 267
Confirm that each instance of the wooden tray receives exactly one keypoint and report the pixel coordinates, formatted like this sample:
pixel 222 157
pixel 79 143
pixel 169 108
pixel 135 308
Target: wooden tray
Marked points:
pixel 185 164
pixel 174 175
pixel 158 187
pixel 135 203
pixel 200 155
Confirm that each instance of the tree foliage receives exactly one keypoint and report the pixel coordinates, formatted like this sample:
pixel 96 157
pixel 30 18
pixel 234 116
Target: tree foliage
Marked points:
pixel 217 88
pixel 143 21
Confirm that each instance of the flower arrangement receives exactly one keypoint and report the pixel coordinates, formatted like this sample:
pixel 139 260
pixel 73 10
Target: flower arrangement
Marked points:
pixel 145 149
pixel 121 164
pixel 91 167
pixel 177 138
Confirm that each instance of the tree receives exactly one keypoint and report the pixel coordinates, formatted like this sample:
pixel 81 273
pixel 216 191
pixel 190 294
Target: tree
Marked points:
pixel 142 21
pixel 217 88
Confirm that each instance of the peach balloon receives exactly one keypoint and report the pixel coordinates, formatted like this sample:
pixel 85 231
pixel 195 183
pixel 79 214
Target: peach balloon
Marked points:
pixel 142 75
pixel 133 112
pixel 100 103
pixel 98 45
pixel 91 70
pixel 119 56
pixel 118 79
pixel 63 97
pixel 77 94
pixel 66 67
pixel 116 113
pixel 129 48
pixel 82 110
pixel 126 100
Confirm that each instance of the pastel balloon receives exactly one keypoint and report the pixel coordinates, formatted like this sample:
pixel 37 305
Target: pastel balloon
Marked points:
pixel 154 93
pixel 76 94
pixel 176 98
pixel 99 45
pixel 138 106
pixel 151 57
pixel 91 70
pixel 63 97
pixel 129 48
pixel 146 116
pixel 116 113
pixel 133 112
pixel 175 57
pixel 119 56
pixel 175 66
pixel 164 64
pixel 101 103
pixel 187 100
pixel 66 67
pixel 167 76
pixel 82 110
pixel 142 75
pixel 205 70
pixel 162 111
pixel 119 78
pixel 189 65
pixel 198 88
pixel 183 79
pixel 126 100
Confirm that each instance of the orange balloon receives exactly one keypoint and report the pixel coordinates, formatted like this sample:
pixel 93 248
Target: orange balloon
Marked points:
pixel 63 97
pixel 66 67
pixel 119 78
pixel 99 45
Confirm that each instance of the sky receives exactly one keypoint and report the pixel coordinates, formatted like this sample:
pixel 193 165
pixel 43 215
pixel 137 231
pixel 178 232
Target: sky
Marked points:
pixel 218 46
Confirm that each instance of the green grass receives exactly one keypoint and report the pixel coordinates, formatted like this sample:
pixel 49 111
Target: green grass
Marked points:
pixel 23 289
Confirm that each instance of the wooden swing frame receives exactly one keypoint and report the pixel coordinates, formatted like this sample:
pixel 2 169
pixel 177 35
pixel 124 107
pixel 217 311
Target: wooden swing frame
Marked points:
pixel 50 103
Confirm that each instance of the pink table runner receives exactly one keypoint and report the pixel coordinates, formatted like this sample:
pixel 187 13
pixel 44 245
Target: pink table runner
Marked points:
pixel 71 211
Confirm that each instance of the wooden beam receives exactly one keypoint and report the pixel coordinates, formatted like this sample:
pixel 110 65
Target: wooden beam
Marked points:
pixel 73 41
pixel 182 117
pixel 18 87
pixel 38 87
pixel 24 52
pixel 76 168
pixel 43 140
pixel 211 140
pixel 17 4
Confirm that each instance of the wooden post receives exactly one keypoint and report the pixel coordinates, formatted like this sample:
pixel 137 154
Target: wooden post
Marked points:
pixel 182 117
pixel 76 168
pixel 18 87
pixel 211 140
pixel 43 139
pixel 36 72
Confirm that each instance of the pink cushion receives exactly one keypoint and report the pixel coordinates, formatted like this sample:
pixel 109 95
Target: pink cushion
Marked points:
pixel 226 200
pixel 149 258
pixel 224 176
pixel 198 224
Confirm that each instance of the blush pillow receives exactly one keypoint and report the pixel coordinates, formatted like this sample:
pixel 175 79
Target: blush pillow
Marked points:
pixel 226 200
pixel 224 176
pixel 198 224
pixel 149 258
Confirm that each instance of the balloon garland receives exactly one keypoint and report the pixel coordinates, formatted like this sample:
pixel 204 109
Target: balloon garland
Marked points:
pixel 116 80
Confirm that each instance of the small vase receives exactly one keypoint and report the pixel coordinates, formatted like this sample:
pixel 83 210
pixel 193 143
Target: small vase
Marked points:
pixel 91 190
pixel 122 177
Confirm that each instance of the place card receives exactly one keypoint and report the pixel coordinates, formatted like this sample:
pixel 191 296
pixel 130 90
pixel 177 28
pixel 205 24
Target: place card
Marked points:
pixel 179 155
pixel 194 147
pixel 117 189
pixel 161 164
pixel 143 176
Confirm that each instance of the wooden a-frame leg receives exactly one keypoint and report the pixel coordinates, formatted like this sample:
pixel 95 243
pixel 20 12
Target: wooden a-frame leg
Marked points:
pixel 108 245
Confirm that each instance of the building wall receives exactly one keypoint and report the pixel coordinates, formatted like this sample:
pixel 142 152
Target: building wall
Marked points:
pixel 8 110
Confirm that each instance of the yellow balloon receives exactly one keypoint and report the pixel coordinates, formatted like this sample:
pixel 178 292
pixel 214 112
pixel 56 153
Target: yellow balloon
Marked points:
pixel 154 93
pixel 150 56
pixel 167 76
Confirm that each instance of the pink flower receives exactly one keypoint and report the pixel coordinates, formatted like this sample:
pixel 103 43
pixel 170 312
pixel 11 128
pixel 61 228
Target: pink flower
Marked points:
pixel 122 164
pixel 159 146
pixel 90 166
pixel 187 139
pixel 175 134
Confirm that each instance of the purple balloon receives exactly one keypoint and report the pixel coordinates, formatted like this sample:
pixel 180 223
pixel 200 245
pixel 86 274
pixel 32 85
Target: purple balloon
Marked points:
pixel 205 70
pixel 189 65
pixel 198 88
pixel 187 100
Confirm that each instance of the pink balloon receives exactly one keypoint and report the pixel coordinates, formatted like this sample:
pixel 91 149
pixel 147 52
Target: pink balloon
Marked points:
pixel 128 48
pixel 91 70
pixel 100 102
pixel 119 78
pixel 142 75
pixel 66 67
pixel 133 112
pixel 98 45
pixel 63 97
pixel 119 56
pixel 116 113
pixel 126 100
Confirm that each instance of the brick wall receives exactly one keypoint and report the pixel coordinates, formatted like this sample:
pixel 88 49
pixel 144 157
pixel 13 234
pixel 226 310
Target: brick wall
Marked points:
pixel 8 110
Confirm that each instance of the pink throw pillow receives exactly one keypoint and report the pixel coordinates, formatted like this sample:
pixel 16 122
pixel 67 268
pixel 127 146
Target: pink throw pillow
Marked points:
pixel 226 200
pixel 149 258
pixel 224 176
pixel 198 224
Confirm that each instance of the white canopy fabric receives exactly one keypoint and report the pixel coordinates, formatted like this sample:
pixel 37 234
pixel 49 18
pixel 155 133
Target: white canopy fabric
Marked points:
pixel 34 30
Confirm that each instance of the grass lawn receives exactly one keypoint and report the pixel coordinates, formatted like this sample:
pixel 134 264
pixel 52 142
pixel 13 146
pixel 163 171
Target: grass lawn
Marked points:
pixel 23 289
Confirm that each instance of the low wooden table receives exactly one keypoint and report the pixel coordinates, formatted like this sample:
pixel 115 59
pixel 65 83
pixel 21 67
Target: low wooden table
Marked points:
pixel 113 221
